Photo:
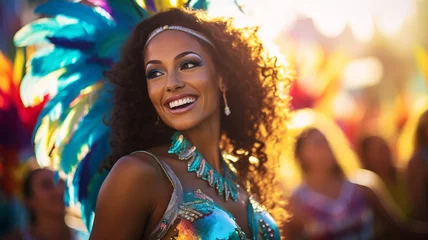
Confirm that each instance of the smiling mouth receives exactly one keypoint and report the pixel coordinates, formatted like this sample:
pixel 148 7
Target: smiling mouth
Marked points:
pixel 182 103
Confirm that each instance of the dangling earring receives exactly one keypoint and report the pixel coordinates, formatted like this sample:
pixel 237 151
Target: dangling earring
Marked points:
pixel 226 106
pixel 158 121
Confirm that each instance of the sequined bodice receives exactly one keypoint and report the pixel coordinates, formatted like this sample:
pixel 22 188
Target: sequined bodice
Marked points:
pixel 194 215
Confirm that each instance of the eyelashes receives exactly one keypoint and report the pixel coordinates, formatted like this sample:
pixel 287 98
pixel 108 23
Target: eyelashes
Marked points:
pixel 154 74
pixel 186 65
pixel 190 64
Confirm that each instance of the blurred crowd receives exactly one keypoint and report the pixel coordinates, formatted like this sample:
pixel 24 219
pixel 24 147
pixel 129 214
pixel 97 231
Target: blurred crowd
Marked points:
pixel 389 204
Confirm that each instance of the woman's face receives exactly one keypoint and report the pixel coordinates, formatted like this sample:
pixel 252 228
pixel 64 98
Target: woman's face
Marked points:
pixel 181 79
pixel 47 196
pixel 379 157
pixel 316 153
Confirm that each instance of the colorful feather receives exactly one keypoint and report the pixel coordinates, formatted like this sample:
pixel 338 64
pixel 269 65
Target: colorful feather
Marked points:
pixel 75 43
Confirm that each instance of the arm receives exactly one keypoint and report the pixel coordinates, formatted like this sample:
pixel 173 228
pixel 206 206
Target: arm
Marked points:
pixel 126 200
pixel 293 228
pixel 416 188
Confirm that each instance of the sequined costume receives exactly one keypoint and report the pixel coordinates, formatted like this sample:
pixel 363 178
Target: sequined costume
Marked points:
pixel 194 215
pixel 347 217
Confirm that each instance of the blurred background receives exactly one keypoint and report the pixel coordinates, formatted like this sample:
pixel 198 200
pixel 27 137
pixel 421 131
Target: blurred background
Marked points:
pixel 361 70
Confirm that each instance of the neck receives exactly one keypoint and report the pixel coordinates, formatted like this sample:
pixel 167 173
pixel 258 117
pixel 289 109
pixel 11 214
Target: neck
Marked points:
pixel 322 179
pixel 206 138
pixel 48 227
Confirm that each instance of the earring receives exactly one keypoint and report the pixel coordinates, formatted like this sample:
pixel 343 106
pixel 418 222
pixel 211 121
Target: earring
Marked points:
pixel 226 106
pixel 158 121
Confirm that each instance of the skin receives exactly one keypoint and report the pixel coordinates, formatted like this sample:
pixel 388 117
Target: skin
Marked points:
pixel 379 159
pixel 137 200
pixel 48 206
pixel 317 156
pixel 417 173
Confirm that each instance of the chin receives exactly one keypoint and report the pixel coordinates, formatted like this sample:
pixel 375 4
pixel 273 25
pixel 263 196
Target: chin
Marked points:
pixel 183 125
pixel 184 122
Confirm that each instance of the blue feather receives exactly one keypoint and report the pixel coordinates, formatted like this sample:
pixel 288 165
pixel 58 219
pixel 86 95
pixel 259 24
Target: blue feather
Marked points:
pixel 69 87
pixel 36 32
pixel 95 17
pixel 48 60
pixel 91 129
pixel 198 4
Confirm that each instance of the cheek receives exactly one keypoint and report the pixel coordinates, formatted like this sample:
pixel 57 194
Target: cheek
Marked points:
pixel 155 91
pixel 208 88
pixel 41 198
pixel 309 156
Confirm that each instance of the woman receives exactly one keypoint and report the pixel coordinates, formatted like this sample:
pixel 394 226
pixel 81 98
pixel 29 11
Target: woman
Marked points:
pixel 327 206
pixel 376 156
pixel 46 209
pixel 187 84
pixel 417 172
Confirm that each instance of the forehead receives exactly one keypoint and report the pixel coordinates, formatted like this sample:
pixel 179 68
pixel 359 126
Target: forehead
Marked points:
pixel 315 135
pixel 43 175
pixel 168 44
pixel 377 142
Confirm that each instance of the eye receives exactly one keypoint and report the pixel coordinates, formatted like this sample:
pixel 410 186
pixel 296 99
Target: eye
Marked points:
pixel 189 65
pixel 154 74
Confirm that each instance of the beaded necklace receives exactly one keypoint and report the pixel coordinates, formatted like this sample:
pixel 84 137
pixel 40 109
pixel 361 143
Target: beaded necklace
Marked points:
pixel 225 185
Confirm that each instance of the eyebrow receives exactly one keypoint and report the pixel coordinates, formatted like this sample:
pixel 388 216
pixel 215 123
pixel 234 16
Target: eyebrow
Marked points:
pixel 179 56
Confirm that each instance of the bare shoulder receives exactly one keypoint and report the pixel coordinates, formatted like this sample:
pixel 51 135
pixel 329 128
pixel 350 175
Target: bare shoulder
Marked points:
pixel 134 171
pixel 128 197
pixel 137 163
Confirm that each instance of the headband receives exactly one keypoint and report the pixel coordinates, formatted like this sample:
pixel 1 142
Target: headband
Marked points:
pixel 178 28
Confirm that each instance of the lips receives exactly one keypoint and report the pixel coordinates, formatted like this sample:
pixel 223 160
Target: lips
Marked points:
pixel 181 103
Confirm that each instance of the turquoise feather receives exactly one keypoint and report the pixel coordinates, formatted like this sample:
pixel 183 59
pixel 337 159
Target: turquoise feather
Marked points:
pixel 95 17
pixel 36 32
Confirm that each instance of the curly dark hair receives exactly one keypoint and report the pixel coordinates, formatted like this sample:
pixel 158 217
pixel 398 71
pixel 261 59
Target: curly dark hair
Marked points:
pixel 255 84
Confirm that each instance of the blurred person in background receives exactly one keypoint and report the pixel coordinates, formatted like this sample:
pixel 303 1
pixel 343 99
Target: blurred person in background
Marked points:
pixel 328 206
pixel 44 200
pixel 417 172
pixel 376 156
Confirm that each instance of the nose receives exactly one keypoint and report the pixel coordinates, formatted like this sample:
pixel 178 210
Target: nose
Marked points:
pixel 174 83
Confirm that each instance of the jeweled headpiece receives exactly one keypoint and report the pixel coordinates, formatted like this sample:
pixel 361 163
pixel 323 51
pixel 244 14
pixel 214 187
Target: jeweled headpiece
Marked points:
pixel 178 28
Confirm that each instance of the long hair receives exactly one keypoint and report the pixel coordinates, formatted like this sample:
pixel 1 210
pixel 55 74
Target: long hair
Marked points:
pixel 298 151
pixel 421 136
pixel 363 149
pixel 252 77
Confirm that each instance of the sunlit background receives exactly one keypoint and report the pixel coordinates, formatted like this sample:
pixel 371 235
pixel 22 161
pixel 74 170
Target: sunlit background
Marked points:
pixel 361 66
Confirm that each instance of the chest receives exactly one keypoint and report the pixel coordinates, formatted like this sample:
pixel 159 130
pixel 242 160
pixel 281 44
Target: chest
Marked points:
pixel 197 210
pixel 199 217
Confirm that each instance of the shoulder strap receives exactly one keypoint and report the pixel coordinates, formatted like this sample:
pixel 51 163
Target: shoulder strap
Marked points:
pixel 171 213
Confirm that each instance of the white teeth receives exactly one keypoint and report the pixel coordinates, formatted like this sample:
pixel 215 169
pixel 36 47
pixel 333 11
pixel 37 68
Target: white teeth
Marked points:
pixel 181 101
